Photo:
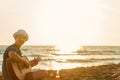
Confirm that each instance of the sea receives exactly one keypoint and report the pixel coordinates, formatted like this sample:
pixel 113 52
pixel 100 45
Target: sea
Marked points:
pixel 84 57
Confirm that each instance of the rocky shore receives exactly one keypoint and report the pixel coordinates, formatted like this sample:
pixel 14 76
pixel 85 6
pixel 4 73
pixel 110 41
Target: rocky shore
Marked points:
pixel 103 72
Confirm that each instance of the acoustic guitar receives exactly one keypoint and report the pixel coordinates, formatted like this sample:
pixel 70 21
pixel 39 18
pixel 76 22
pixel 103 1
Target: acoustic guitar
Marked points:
pixel 19 69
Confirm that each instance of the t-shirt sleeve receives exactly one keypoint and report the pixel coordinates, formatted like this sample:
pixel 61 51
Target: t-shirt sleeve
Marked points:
pixel 12 49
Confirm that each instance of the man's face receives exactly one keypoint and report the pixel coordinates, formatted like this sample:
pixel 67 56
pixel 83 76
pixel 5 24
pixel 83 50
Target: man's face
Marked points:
pixel 20 39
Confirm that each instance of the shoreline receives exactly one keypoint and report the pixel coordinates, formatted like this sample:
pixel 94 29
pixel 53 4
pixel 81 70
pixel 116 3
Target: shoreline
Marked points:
pixel 101 72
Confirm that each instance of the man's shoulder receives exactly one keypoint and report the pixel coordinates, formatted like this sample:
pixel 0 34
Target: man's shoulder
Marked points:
pixel 11 47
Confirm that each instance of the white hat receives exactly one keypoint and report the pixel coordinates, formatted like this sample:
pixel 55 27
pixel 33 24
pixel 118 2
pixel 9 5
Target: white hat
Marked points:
pixel 21 32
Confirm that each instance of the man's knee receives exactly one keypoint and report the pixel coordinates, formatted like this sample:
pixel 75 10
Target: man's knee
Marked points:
pixel 29 76
pixel 42 73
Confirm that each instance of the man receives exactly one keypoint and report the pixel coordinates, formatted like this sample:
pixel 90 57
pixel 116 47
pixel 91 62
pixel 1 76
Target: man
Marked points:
pixel 14 54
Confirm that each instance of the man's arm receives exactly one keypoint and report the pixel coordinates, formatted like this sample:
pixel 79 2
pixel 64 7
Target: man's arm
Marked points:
pixel 13 55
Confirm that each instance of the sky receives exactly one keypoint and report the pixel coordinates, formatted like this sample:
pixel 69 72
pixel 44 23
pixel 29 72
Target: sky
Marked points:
pixel 68 24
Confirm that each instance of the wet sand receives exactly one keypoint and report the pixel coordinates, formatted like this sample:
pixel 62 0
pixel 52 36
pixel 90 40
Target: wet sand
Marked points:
pixel 103 72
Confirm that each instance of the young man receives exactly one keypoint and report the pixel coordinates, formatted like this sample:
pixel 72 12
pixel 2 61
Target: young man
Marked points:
pixel 14 54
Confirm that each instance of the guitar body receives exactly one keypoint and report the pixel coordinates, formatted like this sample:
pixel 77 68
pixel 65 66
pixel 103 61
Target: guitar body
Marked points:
pixel 18 68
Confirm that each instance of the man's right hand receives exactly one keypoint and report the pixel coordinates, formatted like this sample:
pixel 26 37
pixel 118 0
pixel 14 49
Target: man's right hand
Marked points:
pixel 26 62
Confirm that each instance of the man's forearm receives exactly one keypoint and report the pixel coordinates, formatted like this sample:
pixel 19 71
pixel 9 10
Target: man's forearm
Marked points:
pixel 16 57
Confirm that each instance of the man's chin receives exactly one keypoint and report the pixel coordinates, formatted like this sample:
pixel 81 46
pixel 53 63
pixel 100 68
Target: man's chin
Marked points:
pixel 21 44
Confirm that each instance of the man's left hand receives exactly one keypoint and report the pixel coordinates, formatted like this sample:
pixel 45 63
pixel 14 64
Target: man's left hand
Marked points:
pixel 36 60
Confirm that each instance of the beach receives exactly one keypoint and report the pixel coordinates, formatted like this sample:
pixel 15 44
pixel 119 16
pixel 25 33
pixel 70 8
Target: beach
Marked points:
pixel 102 72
